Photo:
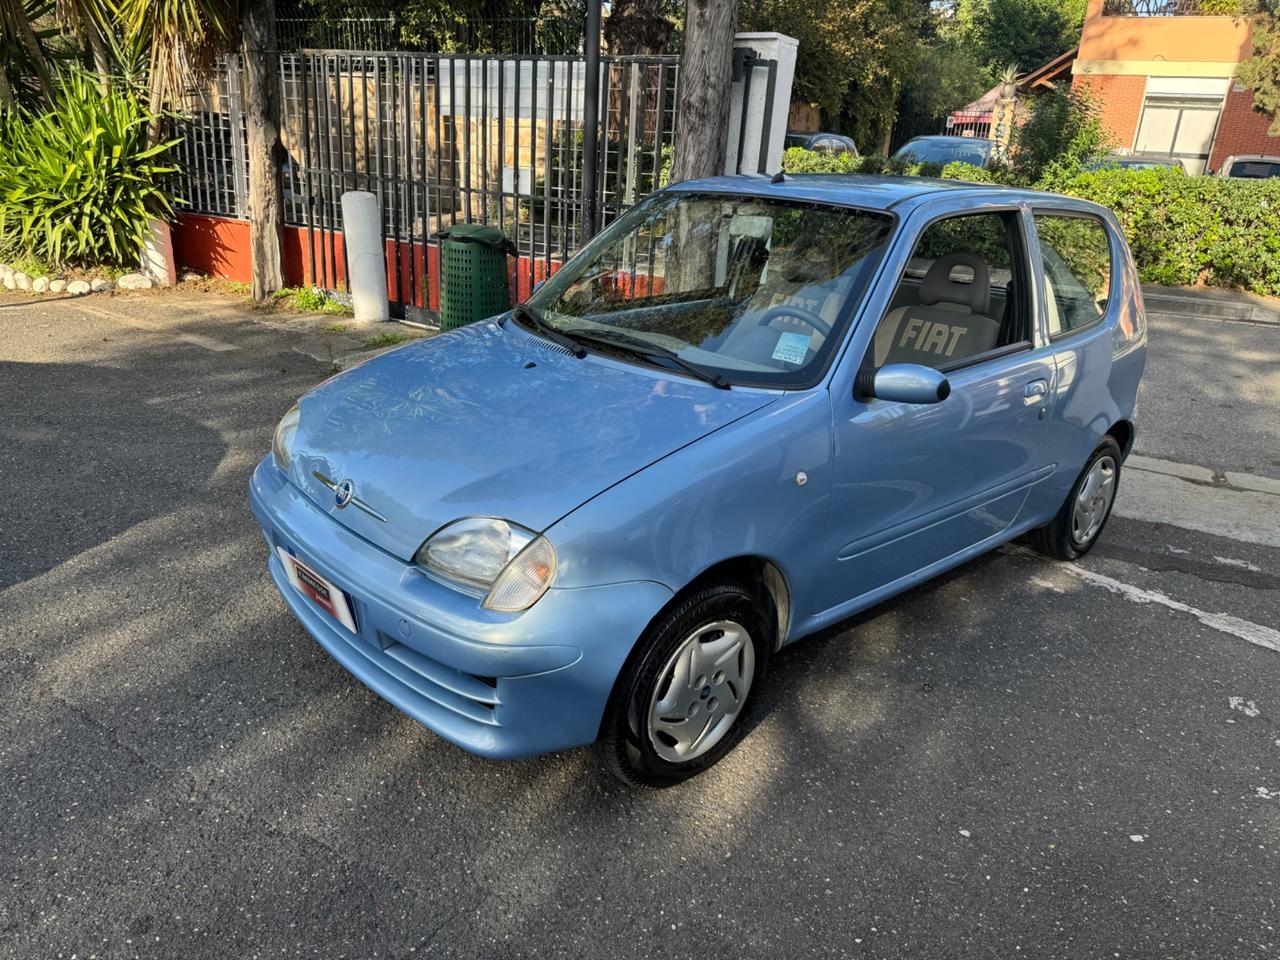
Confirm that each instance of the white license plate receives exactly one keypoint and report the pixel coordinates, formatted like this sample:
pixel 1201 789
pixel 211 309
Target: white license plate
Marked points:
pixel 323 593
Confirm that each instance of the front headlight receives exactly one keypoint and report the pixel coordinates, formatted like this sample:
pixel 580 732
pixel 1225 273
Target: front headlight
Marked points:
pixel 511 565
pixel 282 442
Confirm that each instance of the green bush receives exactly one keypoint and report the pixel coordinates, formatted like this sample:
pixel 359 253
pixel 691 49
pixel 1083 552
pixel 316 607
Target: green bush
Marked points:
pixel 78 182
pixel 311 300
pixel 1062 136
pixel 1183 231
pixel 800 160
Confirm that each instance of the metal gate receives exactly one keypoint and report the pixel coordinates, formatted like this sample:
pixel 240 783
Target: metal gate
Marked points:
pixel 443 138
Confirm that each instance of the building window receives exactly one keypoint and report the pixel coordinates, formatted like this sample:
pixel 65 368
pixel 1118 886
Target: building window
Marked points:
pixel 1179 126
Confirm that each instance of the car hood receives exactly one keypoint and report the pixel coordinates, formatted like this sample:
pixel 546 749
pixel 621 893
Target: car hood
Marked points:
pixel 492 421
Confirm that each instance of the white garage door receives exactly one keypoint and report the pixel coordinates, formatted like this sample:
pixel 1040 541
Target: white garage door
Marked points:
pixel 1181 127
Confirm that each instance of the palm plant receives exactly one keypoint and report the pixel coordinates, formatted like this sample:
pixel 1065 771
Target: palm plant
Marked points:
pixel 79 183
pixel 183 37
pixel 22 52
pixel 88 20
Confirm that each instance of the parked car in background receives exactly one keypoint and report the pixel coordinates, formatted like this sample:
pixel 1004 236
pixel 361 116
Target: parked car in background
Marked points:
pixel 975 151
pixel 1138 161
pixel 744 412
pixel 832 142
pixel 1253 166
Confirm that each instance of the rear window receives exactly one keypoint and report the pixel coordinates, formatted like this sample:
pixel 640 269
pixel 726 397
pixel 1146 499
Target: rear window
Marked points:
pixel 947 150
pixel 1077 270
pixel 1255 169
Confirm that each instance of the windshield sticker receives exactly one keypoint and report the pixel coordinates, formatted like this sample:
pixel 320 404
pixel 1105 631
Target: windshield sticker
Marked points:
pixel 792 347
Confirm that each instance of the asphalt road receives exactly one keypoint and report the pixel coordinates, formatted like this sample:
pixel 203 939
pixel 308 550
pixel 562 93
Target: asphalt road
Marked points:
pixel 1020 759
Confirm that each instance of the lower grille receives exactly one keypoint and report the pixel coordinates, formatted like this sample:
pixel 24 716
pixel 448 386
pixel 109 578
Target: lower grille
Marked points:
pixel 468 696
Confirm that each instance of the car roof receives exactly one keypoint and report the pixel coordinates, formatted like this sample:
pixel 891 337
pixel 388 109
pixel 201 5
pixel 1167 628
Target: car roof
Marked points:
pixel 896 193
pixel 1144 157
pixel 949 136
pixel 1268 158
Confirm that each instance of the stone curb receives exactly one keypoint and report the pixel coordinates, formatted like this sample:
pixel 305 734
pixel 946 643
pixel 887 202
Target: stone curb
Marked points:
pixel 1210 304
pixel 11 279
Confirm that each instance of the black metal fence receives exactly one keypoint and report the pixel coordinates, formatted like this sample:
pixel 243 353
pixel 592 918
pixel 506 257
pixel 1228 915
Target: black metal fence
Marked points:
pixel 542 35
pixel 343 33
pixel 1170 8
pixel 442 139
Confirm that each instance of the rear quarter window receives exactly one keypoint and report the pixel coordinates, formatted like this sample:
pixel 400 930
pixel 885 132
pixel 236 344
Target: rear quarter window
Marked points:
pixel 1076 252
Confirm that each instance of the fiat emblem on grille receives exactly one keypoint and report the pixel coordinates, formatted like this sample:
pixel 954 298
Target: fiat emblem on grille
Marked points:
pixel 344 493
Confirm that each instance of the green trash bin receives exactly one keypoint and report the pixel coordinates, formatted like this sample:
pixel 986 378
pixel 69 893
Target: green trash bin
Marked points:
pixel 473 274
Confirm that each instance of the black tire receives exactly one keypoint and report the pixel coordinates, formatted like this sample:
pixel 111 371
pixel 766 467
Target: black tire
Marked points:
pixel 624 746
pixel 1057 538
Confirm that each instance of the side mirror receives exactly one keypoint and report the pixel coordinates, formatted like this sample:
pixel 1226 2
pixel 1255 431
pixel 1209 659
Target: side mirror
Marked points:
pixel 904 383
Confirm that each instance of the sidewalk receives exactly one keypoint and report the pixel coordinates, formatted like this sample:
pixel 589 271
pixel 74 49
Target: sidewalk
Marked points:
pixel 1210 303
pixel 208 318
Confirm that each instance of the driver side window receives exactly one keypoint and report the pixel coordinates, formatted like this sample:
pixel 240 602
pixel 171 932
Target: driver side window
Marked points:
pixel 962 295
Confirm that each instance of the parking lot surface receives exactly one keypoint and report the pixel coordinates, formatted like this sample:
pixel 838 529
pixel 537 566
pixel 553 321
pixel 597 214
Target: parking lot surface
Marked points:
pixel 1020 759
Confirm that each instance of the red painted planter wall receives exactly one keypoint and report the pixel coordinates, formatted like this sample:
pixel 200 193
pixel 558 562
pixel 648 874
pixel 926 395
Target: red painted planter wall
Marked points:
pixel 219 247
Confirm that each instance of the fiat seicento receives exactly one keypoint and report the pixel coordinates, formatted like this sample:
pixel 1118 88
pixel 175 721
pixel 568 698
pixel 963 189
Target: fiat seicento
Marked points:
pixel 743 412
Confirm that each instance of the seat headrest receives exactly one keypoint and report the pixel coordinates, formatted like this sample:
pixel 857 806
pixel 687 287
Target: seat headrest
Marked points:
pixel 938 286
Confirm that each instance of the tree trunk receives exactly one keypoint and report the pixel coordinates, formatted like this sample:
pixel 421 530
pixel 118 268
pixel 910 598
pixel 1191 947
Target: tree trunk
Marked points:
pixel 636 27
pixel 262 120
pixel 706 66
pixel 39 63
pixel 101 62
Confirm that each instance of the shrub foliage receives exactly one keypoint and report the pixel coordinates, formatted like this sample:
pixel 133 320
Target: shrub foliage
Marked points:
pixel 78 182
pixel 1183 230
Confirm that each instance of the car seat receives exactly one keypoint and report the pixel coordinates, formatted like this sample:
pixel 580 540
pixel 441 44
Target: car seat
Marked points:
pixel 950 321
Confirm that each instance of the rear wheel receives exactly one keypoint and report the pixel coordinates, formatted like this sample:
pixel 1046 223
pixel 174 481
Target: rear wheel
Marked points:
pixel 679 705
pixel 1076 528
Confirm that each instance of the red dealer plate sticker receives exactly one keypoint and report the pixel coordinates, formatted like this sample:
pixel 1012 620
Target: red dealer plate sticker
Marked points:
pixel 317 589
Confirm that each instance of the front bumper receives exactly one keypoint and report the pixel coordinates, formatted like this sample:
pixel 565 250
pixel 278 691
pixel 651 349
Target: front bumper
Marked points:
pixel 500 685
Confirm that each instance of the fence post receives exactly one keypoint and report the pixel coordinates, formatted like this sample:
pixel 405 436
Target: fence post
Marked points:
pixel 591 123
pixel 235 122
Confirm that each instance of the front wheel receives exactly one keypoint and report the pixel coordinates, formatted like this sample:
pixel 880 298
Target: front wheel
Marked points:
pixel 679 705
pixel 1073 532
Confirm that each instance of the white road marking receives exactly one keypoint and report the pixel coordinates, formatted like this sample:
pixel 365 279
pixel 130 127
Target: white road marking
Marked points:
pixel 199 340
pixel 1247 707
pixel 1235 506
pixel 1246 630
pixel 1243 564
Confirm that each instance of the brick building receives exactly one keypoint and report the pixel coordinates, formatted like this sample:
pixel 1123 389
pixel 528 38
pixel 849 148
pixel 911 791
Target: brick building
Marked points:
pixel 1162 72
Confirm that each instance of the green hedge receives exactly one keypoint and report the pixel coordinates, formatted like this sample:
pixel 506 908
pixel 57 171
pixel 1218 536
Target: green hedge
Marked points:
pixel 1218 231
pixel 1183 230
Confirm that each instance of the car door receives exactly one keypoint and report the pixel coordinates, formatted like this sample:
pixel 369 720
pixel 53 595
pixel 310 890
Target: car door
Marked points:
pixel 915 485
pixel 1083 321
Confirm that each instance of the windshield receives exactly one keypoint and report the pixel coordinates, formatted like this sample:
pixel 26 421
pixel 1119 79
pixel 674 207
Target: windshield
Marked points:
pixel 947 150
pixel 755 290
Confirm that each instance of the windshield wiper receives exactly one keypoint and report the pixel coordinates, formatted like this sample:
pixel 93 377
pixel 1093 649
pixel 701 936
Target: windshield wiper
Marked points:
pixel 535 320
pixel 646 348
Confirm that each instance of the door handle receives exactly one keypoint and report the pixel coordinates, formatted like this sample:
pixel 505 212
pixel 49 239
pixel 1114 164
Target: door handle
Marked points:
pixel 1034 393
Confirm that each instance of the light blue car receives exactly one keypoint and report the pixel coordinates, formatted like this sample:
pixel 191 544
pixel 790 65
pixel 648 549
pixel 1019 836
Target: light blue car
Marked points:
pixel 745 411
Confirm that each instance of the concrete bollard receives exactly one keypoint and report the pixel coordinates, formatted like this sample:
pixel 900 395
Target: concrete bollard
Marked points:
pixel 366 256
